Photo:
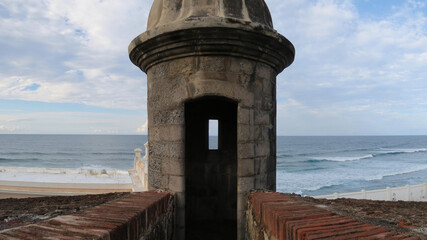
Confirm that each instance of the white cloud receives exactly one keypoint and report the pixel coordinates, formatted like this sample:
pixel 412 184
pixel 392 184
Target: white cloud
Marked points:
pixel 76 51
pixel 4 128
pixel 348 65
pixel 143 129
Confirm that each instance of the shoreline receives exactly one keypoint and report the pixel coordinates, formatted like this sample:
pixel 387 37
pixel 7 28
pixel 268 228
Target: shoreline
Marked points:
pixel 18 196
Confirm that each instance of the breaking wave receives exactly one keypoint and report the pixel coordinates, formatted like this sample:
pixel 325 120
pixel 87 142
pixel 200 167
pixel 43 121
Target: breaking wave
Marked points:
pixel 382 152
pixel 340 159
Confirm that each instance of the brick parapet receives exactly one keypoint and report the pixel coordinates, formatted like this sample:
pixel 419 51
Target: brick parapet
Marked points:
pixel 146 215
pixel 280 216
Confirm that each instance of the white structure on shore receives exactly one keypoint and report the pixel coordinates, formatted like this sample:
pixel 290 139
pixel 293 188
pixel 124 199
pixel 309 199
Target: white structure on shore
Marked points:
pixel 407 193
pixel 34 182
pixel 139 173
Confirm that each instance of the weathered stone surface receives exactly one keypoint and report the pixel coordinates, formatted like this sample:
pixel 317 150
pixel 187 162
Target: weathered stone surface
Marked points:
pixel 173 116
pixel 167 133
pixel 262 148
pixel 245 116
pixel 245 150
pixel 176 183
pixel 246 168
pixel 215 36
pixel 173 166
pixel 260 165
pixel 165 150
pixel 246 132
pixel 166 12
pixel 261 181
pixel 245 184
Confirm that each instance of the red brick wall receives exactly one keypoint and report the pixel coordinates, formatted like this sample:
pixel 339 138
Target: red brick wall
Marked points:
pixel 279 216
pixel 147 214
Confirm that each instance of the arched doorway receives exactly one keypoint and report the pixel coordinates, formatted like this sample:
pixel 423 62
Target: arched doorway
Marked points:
pixel 211 169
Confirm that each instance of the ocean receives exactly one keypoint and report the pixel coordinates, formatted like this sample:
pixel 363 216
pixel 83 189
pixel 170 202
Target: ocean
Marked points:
pixel 324 165
pixel 305 165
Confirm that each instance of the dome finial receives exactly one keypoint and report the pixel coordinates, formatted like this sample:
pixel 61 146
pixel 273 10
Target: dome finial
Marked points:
pixel 164 12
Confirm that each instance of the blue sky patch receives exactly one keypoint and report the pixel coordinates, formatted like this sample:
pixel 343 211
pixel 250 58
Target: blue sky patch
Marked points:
pixel 79 32
pixel 4 13
pixel 32 87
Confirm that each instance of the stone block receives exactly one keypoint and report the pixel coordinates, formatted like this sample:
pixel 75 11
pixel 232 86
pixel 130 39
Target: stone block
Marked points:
pixel 245 150
pixel 167 132
pixel 242 203
pixel 217 76
pixel 262 148
pixel 258 104
pixel 200 88
pixel 241 65
pixel 182 66
pixel 262 133
pixel 257 87
pixel 269 86
pixel 260 165
pixel 166 149
pixel 262 117
pixel 264 71
pixel 174 87
pixel 156 180
pixel 246 168
pixel 177 183
pixel 245 133
pixel 261 182
pixel 160 70
pixel 268 103
pixel 242 206
pixel 233 77
pixel 155 163
pixel 173 166
pixel 245 81
pixel 170 116
pixel 211 64
pixel 245 115
pixel 245 184
pixel 247 99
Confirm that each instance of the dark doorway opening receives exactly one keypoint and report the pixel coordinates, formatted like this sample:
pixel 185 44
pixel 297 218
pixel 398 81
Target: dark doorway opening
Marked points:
pixel 211 171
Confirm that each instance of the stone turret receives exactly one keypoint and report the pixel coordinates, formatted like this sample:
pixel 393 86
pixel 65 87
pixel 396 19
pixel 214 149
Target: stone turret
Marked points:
pixel 211 60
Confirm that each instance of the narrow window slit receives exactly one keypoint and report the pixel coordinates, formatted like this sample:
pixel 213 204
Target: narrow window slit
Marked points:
pixel 213 134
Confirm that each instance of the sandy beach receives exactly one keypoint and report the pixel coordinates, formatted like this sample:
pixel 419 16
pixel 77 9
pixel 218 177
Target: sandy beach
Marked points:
pixel 19 182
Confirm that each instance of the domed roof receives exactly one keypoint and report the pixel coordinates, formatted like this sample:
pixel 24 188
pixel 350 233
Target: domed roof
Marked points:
pixel 165 12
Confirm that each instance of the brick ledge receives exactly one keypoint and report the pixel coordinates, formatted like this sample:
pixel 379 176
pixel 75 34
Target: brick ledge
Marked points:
pixel 280 216
pixel 146 214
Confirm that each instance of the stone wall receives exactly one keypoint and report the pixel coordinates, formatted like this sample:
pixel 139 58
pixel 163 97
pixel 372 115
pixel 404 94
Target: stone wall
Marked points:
pixel 250 84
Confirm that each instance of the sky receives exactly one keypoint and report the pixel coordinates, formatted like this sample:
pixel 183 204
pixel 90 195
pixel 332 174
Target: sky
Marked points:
pixel 360 67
